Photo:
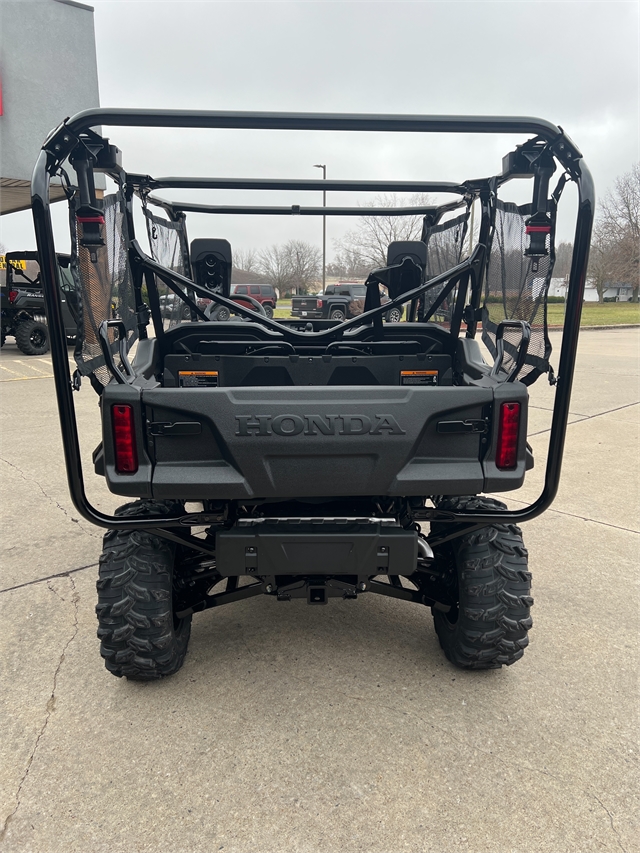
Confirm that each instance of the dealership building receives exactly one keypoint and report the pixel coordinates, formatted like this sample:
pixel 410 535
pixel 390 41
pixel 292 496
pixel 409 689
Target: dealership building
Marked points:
pixel 48 71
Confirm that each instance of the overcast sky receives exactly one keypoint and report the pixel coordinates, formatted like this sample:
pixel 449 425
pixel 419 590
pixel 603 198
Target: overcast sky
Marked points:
pixel 574 63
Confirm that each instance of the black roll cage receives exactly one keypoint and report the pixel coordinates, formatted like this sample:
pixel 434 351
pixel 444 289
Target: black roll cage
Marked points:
pixel 67 137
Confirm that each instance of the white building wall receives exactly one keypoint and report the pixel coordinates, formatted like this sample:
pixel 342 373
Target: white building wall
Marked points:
pixel 48 70
pixel 557 287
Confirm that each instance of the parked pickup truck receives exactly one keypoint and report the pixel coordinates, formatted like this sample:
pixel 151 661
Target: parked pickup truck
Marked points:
pixel 339 302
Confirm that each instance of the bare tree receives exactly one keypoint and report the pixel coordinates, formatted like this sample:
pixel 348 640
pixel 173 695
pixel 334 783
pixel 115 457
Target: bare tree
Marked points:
pixel 620 208
pixel 562 266
pixel 306 264
pixel 617 234
pixel 246 259
pixel 369 240
pixel 294 266
pixel 273 264
pixel 347 263
pixel 601 264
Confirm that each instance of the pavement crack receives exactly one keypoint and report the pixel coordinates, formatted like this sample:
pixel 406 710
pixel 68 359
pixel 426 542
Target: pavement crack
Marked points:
pixel 575 515
pixel 409 713
pixel 49 577
pixel 51 703
pixel 583 417
pixel 615 831
pixel 464 742
pixel 32 480
pixel 246 645
pixel 49 498
pixel 457 740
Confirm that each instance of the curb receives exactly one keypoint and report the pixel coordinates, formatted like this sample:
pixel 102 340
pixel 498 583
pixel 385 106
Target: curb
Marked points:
pixel 598 328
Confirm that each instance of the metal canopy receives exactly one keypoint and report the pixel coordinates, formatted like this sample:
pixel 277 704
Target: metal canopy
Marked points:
pixel 15 195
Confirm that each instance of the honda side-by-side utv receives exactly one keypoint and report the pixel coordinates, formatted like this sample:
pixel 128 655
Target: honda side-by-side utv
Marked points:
pixel 22 311
pixel 312 459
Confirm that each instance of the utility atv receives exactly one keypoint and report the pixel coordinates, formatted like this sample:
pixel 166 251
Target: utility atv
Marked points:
pixel 312 458
pixel 23 312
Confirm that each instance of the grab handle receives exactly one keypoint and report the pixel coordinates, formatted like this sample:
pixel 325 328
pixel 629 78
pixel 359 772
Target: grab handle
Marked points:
pixel 105 344
pixel 523 347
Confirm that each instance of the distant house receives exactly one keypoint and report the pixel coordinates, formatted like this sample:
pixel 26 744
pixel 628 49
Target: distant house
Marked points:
pixel 618 292
pixel 239 276
pixel 590 292
pixel 613 292
pixel 558 287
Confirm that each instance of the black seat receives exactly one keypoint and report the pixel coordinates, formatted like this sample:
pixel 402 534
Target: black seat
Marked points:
pixel 431 337
pixel 202 337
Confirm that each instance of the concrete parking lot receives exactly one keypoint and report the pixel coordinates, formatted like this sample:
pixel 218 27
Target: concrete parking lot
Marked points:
pixel 341 728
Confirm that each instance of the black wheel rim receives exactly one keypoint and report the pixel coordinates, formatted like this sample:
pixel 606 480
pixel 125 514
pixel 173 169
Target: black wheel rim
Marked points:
pixel 38 338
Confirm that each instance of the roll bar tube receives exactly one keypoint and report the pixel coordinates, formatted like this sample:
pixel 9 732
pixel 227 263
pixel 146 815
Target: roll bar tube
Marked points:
pixel 298 184
pixel 64 138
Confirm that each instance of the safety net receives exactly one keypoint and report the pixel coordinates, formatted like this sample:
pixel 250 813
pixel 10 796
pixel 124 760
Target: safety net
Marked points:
pixel 445 248
pixel 516 287
pixel 104 285
pixel 169 247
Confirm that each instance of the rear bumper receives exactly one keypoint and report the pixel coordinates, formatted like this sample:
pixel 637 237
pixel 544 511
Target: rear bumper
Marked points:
pixel 272 547
pixel 297 442
pixel 311 315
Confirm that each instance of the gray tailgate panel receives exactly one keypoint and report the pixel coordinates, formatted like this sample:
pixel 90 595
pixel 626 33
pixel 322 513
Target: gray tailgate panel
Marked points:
pixel 315 442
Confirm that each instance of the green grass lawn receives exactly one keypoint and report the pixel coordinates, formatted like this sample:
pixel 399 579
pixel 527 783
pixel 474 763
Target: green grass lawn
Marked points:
pixel 599 313
pixel 593 313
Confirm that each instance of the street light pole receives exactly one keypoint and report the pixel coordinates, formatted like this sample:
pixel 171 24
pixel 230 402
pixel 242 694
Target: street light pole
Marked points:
pixel 324 226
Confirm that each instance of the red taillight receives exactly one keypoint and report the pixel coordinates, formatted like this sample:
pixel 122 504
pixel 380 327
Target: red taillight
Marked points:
pixel 124 439
pixel 13 295
pixel 318 303
pixel 508 429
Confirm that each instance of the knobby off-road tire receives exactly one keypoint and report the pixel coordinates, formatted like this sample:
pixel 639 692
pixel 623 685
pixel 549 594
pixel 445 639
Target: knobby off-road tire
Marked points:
pixel 32 337
pixel 487 574
pixel 141 638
